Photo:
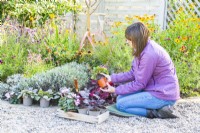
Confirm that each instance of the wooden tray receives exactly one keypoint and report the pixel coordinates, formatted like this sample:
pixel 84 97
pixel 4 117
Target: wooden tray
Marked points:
pixel 82 117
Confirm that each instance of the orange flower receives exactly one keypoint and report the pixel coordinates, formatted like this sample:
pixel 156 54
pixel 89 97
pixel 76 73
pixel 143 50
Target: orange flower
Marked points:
pixel 185 38
pixel 49 50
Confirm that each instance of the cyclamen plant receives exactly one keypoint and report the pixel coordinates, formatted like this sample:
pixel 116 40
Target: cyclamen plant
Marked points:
pixel 48 95
pixel 69 100
pixel 28 92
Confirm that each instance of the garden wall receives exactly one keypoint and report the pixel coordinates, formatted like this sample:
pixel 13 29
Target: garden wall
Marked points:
pixel 110 11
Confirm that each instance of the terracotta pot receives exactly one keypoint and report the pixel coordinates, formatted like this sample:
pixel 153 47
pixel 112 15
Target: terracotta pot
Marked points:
pixel 44 103
pixel 102 82
pixel 27 101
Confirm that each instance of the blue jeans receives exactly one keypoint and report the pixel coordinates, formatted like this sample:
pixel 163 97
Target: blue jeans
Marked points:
pixel 138 103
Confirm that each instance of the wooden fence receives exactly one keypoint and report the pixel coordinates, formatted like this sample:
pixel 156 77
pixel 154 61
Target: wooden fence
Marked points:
pixel 186 5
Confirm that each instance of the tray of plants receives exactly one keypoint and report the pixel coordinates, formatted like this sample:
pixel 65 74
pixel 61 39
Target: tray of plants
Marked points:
pixel 83 117
pixel 86 105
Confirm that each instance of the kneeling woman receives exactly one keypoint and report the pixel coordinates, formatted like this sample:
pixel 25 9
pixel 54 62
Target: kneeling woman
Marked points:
pixel 151 86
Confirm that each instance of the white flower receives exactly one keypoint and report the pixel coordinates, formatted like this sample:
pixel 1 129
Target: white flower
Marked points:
pixel 7 95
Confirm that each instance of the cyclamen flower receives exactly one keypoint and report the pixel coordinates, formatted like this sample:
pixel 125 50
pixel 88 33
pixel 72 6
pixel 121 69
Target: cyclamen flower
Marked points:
pixel 64 90
pixel 1 61
pixel 77 102
pixel 7 95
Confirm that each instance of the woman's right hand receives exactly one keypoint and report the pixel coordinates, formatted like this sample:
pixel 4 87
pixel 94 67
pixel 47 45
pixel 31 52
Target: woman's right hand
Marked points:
pixel 107 76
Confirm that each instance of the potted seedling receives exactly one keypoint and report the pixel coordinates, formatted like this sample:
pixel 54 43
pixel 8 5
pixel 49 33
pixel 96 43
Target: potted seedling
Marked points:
pixel 45 97
pixel 69 101
pixel 28 95
pixel 96 72
pixel 12 97
pixel 96 75
pixel 94 110
pixel 84 102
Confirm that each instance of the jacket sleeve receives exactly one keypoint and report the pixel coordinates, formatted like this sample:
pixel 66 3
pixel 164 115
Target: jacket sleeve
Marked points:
pixel 124 76
pixel 145 69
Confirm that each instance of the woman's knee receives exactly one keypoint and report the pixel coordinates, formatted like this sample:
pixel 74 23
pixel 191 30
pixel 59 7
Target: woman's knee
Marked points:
pixel 120 105
pixel 119 97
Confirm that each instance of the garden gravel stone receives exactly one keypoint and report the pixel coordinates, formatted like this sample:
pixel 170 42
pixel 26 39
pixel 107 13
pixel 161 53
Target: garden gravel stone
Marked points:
pixel 34 119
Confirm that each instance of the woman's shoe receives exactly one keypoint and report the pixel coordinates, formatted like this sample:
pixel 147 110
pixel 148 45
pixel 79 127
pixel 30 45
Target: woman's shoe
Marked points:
pixel 162 113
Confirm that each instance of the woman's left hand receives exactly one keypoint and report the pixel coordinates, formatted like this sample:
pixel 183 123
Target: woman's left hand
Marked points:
pixel 109 89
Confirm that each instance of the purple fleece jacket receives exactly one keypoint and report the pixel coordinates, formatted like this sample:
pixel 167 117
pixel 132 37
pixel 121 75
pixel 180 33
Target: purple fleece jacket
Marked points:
pixel 154 72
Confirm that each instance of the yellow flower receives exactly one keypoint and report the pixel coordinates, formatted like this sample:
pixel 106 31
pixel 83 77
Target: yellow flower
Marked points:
pixel 192 5
pixel 142 19
pixel 117 24
pixel 67 31
pixel 31 18
pixel 180 10
pixel 148 18
pixel 128 18
pixel 152 17
pixel 177 40
pixel 151 29
pixel 199 26
pixel 51 15
pixel 115 32
pixel 136 16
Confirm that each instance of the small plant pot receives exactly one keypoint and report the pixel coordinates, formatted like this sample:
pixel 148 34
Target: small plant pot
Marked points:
pixel 94 112
pixel 102 111
pixel 27 101
pixel 83 110
pixel 102 82
pixel 44 103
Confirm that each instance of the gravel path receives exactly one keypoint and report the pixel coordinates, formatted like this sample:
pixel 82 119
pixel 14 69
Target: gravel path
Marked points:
pixel 22 119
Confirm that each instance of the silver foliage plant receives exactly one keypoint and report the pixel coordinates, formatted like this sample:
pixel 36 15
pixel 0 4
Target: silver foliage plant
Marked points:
pixel 58 77
pixel 3 88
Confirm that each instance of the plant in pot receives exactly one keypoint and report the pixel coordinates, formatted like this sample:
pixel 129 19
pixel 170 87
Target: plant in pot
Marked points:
pixel 12 97
pixel 98 70
pixel 69 100
pixel 94 107
pixel 96 75
pixel 56 97
pixel 45 97
pixel 28 95
pixel 84 101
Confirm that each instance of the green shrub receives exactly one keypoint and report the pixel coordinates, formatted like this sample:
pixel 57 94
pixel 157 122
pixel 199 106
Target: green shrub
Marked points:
pixel 12 56
pixel 115 53
pixel 35 64
pixel 60 46
pixel 31 13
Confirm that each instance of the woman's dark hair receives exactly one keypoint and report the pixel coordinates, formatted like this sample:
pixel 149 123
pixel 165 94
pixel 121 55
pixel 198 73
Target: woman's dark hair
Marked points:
pixel 138 34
